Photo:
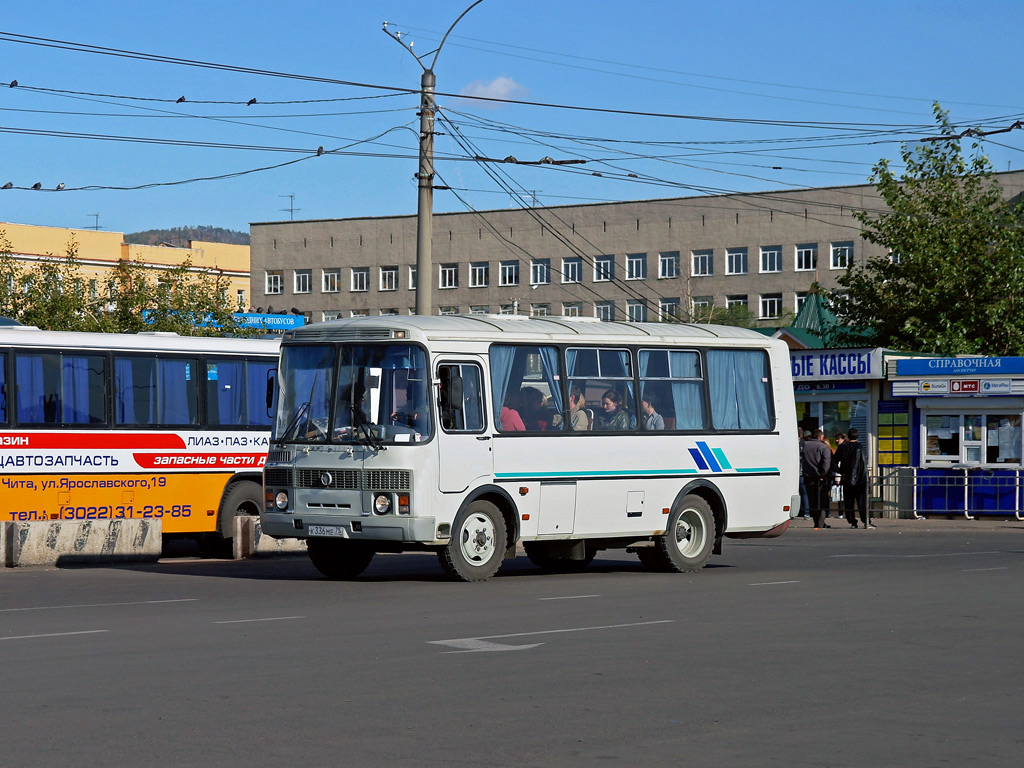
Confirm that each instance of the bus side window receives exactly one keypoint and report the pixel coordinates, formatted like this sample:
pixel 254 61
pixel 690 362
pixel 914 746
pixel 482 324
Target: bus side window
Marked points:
pixel 3 388
pixel 60 389
pixel 461 398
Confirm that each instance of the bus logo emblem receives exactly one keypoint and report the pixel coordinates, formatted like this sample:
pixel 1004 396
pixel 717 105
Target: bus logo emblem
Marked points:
pixel 326 479
pixel 706 457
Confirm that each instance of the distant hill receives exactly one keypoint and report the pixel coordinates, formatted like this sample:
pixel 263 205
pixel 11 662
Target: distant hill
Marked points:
pixel 180 236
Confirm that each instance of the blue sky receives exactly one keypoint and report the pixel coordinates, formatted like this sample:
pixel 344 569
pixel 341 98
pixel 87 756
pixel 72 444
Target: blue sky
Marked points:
pixel 802 94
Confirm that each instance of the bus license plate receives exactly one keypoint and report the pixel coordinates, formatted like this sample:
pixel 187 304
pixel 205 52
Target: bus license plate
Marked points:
pixel 327 530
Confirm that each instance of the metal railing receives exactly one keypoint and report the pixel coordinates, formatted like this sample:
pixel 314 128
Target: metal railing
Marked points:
pixel 911 492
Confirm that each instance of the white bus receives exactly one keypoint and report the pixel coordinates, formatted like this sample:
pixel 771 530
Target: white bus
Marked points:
pixel 471 434
pixel 102 426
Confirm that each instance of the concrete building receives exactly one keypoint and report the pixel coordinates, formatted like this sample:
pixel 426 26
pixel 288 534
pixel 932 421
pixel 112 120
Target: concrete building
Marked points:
pixel 629 260
pixel 98 253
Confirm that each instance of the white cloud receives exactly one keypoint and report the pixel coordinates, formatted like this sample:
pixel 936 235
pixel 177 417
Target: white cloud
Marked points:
pixel 498 88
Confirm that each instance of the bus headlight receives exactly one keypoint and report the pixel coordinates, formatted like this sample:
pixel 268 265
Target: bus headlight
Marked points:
pixel 281 500
pixel 382 503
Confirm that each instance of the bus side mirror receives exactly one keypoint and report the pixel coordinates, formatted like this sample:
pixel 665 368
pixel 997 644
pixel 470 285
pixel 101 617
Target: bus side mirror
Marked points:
pixel 271 382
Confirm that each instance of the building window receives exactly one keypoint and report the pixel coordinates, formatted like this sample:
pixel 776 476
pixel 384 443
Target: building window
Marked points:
pixel 508 273
pixel 801 297
pixel 572 309
pixel 736 261
pixel 329 280
pixel 303 280
pixel 637 311
pixel 701 305
pixel 735 301
pixel 359 313
pixel 703 263
pixel 668 264
pixel 389 311
pixel 771 305
pixel 668 309
pixel 540 272
pixel 604 310
pixel 239 297
pixel 572 270
pixel 479 274
pixel 330 316
pixel 636 266
pixel 507 309
pixel 389 278
pixel 449 276
pixel 275 282
pixel 806 257
pixel 479 309
pixel 412 278
pixel 360 278
pixel 842 255
pixel 771 258
pixel 540 310
pixel 604 269
pixel 449 310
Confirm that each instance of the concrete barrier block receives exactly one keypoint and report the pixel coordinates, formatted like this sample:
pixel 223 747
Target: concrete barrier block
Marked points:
pixel 67 542
pixel 249 540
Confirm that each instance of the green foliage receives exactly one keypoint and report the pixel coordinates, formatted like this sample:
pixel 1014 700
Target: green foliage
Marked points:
pixel 53 295
pixel 736 315
pixel 955 281
pixel 182 236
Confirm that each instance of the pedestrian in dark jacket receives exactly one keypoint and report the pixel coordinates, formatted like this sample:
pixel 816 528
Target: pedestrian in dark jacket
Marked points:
pixel 816 462
pixel 852 472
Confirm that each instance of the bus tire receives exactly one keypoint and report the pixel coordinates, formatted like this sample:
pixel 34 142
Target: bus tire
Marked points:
pixel 686 544
pixel 478 542
pixel 339 558
pixel 537 551
pixel 241 499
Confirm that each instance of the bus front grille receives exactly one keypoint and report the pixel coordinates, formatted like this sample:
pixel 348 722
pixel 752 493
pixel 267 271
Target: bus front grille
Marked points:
pixel 345 479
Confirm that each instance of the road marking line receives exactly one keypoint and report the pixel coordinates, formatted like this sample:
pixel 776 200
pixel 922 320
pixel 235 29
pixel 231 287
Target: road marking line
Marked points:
pixel 771 583
pixel 974 570
pixel 937 554
pixel 55 634
pixel 567 597
pixel 474 644
pixel 99 605
pixel 249 621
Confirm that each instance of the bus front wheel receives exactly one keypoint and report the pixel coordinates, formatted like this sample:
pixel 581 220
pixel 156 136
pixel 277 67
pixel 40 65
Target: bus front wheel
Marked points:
pixel 339 558
pixel 478 541
pixel 686 544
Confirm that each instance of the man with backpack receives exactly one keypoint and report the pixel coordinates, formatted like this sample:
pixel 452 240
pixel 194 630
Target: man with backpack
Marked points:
pixel 852 472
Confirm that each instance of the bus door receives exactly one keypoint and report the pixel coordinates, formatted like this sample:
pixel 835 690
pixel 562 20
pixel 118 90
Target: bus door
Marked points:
pixel 463 443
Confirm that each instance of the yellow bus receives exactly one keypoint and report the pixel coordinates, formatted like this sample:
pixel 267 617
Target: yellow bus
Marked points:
pixel 101 426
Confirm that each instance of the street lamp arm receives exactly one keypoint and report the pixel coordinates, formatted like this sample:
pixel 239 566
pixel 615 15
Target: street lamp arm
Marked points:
pixel 441 44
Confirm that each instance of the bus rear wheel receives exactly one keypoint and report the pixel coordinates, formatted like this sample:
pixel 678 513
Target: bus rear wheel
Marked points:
pixel 686 545
pixel 539 555
pixel 478 541
pixel 339 558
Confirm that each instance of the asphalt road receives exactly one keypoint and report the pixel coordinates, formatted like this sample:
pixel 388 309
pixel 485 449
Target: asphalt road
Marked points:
pixel 900 646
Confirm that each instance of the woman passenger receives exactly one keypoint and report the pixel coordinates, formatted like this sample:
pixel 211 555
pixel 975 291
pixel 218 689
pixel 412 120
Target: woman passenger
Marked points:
pixel 614 417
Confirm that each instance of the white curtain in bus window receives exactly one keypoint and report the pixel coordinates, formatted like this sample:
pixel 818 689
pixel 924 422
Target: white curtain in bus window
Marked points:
pixel 59 389
pixel 738 380
pixel 671 382
pixel 149 390
pixel 526 388
pixel 605 377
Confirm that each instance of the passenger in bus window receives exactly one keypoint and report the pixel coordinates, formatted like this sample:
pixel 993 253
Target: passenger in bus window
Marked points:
pixel 649 407
pixel 531 408
pixel 510 420
pixel 614 416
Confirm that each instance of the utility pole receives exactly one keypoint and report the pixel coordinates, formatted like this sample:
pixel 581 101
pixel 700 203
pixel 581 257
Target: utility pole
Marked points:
pixel 425 176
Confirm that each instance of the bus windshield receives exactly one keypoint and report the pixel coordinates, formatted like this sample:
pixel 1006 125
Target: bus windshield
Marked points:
pixel 375 394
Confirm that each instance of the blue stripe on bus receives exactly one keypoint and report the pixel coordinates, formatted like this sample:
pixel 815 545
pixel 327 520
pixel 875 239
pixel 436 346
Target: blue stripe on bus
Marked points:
pixel 599 473
pixel 698 459
pixel 720 455
pixel 706 451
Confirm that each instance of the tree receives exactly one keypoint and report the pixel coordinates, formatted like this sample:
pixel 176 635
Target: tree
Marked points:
pixel 952 280
pixel 53 295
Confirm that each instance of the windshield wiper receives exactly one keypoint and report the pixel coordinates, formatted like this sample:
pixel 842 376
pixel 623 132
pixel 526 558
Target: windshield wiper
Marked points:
pixel 301 411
